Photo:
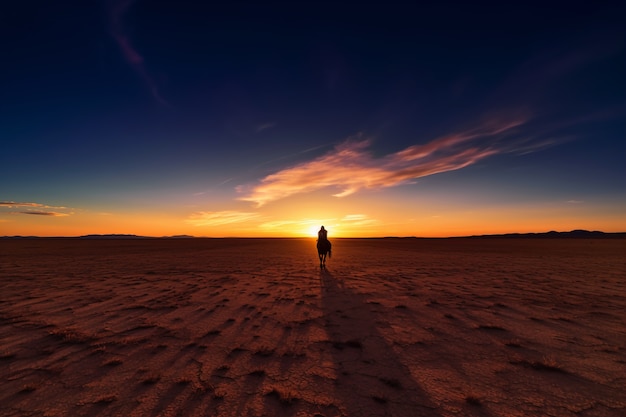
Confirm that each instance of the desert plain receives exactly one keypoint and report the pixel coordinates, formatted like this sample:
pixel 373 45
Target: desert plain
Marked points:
pixel 253 327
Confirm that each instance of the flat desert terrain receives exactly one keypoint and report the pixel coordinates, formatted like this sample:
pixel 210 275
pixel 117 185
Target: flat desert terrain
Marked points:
pixel 253 327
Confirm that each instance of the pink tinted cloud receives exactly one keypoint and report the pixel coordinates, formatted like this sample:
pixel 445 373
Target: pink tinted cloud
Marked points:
pixel 118 10
pixel 131 55
pixel 350 167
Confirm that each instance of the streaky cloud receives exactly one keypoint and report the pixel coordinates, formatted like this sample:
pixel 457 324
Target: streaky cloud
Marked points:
pixel 265 126
pixel 349 167
pixel 281 224
pixel 219 218
pixel 45 213
pixel 358 220
pixel 14 204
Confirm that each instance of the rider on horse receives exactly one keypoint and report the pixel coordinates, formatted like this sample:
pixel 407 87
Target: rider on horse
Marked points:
pixel 322 234
pixel 323 246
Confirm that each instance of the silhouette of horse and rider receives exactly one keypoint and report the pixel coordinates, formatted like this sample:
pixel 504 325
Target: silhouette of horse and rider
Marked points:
pixel 323 246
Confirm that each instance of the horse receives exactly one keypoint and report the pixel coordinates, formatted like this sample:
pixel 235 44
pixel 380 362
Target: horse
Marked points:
pixel 323 248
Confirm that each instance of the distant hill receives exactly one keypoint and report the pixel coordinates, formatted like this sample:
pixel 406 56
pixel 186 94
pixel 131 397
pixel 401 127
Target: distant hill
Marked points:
pixel 577 234
pixel 112 236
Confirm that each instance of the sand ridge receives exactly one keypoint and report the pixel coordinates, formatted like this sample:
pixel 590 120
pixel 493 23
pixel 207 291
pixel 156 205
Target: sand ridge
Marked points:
pixel 253 327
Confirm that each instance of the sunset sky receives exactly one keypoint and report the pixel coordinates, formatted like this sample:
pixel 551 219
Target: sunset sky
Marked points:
pixel 373 119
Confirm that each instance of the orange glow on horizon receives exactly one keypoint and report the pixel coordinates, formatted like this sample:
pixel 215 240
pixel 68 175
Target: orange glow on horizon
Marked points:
pixel 342 217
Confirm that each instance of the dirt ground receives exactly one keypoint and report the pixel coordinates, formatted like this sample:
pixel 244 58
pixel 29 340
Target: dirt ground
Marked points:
pixel 253 327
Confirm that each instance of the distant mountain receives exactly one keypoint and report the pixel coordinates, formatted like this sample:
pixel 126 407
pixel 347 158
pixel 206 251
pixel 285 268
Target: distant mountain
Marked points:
pixel 112 236
pixel 577 234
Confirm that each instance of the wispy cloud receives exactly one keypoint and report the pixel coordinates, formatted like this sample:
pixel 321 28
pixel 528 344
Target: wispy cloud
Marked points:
pixel 36 209
pixel 45 213
pixel 265 126
pixel 291 224
pixel 14 204
pixel 219 218
pixel 118 10
pixel 357 220
pixel 350 167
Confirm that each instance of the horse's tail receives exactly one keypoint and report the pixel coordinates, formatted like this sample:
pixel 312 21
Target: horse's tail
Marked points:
pixel 330 248
pixel 330 252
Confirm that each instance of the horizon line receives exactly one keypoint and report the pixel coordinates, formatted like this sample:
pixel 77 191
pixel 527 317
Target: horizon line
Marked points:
pixel 575 232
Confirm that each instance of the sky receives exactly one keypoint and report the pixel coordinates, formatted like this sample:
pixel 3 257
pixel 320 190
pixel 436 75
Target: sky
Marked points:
pixel 247 119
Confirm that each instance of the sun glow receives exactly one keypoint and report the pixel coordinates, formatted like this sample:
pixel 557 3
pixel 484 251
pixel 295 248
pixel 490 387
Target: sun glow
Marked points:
pixel 313 229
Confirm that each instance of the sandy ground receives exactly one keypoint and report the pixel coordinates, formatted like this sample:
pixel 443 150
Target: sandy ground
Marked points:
pixel 252 327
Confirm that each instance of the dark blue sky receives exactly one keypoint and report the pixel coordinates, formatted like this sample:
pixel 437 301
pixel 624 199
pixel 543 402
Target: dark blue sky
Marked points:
pixel 109 106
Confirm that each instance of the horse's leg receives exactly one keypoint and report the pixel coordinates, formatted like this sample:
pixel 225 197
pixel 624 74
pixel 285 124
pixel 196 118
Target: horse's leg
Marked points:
pixel 320 255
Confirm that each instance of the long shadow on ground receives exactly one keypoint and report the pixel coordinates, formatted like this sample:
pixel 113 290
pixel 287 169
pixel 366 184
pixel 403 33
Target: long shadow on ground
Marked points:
pixel 371 380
